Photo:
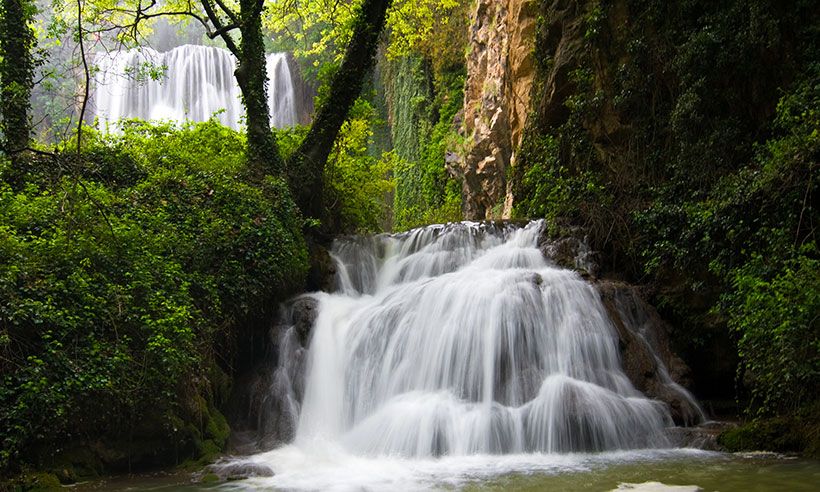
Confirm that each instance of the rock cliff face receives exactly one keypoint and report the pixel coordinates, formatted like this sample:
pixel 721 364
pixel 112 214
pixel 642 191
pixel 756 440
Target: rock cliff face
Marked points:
pixel 500 71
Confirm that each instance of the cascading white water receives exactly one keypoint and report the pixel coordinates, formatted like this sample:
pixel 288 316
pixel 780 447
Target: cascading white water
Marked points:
pixel 447 354
pixel 196 83
pixel 462 339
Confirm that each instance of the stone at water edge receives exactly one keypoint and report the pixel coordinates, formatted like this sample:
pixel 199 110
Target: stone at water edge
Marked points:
pixel 240 470
pixel 656 487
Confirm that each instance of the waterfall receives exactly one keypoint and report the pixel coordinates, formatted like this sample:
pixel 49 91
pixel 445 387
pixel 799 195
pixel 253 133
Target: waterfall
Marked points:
pixel 196 82
pixel 452 352
pixel 463 339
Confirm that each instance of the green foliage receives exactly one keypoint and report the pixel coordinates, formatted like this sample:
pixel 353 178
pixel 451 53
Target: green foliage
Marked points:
pixel 357 185
pixel 557 195
pixel 317 31
pixel 422 107
pixel 756 232
pixel 420 27
pixel 776 318
pixel 422 74
pixel 118 276
pixel 683 138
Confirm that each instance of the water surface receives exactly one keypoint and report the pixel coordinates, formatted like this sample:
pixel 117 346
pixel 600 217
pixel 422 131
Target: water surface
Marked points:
pixel 692 469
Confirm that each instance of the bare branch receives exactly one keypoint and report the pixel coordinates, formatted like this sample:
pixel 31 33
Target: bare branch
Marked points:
pixel 86 73
pixel 228 12
pixel 222 31
pixel 220 28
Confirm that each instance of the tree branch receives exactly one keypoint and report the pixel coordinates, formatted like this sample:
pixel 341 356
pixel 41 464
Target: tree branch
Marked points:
pixel 228 12
pixel 86 74
pixel 221 29
pixel 306 165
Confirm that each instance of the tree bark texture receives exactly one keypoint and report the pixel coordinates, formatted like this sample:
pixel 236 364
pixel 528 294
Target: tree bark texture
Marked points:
pixel 16 74
pixel 251 75
pixel 306 165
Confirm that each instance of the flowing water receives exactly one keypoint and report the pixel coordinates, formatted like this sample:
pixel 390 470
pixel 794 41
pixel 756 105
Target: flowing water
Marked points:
pixel 448 351
pixel 463 340
pixel 646 471
pixel 194 83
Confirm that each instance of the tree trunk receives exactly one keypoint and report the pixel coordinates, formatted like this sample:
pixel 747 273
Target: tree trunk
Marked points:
pixel 306 165
pixel 16 74
pixel 251 75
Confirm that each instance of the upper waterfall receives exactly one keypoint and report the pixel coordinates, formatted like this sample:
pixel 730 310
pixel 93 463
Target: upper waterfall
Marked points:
pixel 197 82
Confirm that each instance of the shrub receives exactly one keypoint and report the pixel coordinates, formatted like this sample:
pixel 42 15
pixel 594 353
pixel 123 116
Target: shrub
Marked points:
pixel 118 275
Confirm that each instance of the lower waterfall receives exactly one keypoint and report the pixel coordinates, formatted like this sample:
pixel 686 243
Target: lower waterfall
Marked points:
pixel 458 340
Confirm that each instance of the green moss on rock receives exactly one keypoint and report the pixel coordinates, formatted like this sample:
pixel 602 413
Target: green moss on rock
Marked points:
pixel 795 433
pixel 38 481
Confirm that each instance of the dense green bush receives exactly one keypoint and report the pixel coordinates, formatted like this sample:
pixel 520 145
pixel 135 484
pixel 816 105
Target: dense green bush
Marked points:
pixel 756 232
pixel 424 100
pixel 685 142
pixel 358 184
pixel 119 272
pixel 776 318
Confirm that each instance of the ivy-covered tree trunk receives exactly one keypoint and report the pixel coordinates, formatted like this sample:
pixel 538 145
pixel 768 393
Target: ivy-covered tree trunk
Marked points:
pixel 251 75
pixel 16 74
pixel 306 165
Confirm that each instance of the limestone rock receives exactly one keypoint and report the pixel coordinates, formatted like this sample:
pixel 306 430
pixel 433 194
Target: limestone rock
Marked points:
pixel 571 251
pixel 240 470
pixel 647 358
pixel 500 71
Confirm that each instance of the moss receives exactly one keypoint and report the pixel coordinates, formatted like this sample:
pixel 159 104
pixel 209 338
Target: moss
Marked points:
pixel 217 428
pixel 766 435
pixel 210 478
pixel 37 481
pixel 220 384
pixel 209 452
pixel 422 107
pixel 75 464
pixel 795 433
pixel 207 441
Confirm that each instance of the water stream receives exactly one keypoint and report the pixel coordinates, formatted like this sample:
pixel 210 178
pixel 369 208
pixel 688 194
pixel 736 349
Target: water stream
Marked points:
pixel 464 340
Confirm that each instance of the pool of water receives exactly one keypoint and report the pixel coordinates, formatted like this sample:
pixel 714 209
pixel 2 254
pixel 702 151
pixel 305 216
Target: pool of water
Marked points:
pixel 714 472
pixel 650 470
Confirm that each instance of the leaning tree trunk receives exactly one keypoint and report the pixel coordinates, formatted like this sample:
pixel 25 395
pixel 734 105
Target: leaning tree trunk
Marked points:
pixel 251 76
pixel 16 74
pixel 306 165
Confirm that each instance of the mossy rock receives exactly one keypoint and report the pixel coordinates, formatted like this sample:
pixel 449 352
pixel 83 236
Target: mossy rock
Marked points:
pixel 765 435
pixel 37 481
pixel 209 478
pixel 217 428
pixel 77 463
pixel 795 433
